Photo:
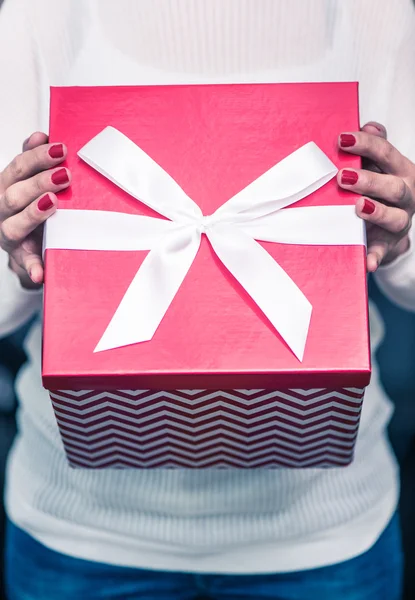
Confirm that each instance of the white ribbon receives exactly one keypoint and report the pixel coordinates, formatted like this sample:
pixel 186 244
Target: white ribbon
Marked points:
pixel 252 214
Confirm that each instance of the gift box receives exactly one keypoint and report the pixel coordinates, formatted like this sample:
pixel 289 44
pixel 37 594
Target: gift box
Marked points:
pixel 205 292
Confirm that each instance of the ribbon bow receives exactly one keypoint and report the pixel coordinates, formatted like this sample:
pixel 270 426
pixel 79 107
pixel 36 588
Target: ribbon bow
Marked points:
pixel 252 214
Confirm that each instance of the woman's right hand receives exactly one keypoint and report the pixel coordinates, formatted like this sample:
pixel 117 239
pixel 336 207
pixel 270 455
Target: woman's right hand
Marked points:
pixel 27 198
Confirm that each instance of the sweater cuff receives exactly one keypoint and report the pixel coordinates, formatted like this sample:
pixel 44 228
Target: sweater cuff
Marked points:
pixel 398 263
pixel 17 305
pixel 397 279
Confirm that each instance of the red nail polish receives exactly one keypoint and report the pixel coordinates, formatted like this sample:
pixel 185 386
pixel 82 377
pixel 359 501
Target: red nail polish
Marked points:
pixel 45 203
pixel 347 140
pixel 349 177
pixel 60 177
pixel 368 207
pixel 56 151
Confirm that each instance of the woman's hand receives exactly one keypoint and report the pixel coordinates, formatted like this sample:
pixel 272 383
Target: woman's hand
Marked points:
pixel 387 186
pixel 27 198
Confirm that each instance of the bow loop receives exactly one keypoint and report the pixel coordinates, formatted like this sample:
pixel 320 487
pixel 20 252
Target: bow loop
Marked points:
pixel 115 156
pixel 295 177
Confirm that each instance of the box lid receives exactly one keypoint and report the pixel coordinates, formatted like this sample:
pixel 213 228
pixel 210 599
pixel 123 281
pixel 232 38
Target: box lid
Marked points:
pixel 213 140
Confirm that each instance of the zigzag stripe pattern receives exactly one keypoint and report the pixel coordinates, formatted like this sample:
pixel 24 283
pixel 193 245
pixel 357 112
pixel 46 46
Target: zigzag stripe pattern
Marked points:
pixel 205 428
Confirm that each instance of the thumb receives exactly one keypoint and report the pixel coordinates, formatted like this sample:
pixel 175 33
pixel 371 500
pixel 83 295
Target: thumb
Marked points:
pixel 33 141
pixel 375 128
pixel 379 130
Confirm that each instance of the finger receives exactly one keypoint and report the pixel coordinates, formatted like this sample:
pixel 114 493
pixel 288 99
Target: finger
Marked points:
pixel 375 255
pixel 14 230
pixel 33 161
pixel 29 264
pixel 390 188
pixel 368 165
pixel 376 149
pixel 33 265
pixel 33 141
pixel 375 128
pixel 391 219
pixel 21 194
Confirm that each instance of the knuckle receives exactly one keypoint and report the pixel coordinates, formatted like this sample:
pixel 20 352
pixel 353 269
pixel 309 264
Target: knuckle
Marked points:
pixel 380 215
pixel 9 201
pixel 401 223
pixel 385 151
pixel 17 167
pixel 41 156
pixel 380 253
pixel 399 191
pixel 364 141
pixel 406 222
pixel 410 184
pixel 8 235
pixel 38 185
pixel 369 183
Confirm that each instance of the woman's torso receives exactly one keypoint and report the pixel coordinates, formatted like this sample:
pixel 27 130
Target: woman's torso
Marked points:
pixel 180 41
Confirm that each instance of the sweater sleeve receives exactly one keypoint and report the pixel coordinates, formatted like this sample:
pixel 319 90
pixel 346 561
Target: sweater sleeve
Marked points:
pixel 19 106
pixel 18 118
pixel 397 280
pixel 393 105
pixel 17 305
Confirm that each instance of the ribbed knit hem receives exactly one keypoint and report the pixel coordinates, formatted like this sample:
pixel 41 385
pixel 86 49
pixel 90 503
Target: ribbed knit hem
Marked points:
pixel 328 547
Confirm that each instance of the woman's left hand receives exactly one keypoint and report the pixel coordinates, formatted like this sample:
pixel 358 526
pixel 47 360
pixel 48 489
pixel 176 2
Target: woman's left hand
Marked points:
pixel 387 186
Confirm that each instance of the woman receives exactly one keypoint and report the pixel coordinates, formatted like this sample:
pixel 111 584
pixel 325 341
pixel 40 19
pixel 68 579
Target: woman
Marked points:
pixel 228 534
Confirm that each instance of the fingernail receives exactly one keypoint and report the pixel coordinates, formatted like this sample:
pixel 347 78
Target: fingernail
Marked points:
pixel 60 177
pixel 56 151
pixel 45 203
pixel 378 127
pixel 347 140
pixel 349 177
pixel 368 207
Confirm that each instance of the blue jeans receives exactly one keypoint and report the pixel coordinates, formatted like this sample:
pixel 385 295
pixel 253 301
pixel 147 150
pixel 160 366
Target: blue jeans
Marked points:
pixel 34 572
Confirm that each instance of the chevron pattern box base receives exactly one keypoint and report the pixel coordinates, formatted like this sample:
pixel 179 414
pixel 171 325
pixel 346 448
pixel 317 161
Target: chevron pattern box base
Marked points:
pixel 205 428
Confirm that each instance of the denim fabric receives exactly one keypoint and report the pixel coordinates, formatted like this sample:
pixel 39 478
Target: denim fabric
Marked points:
pixel 36 573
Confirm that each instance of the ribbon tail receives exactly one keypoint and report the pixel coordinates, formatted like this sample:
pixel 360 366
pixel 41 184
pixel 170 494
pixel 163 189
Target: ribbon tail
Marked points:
pixel 152 290
pixel 271 288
